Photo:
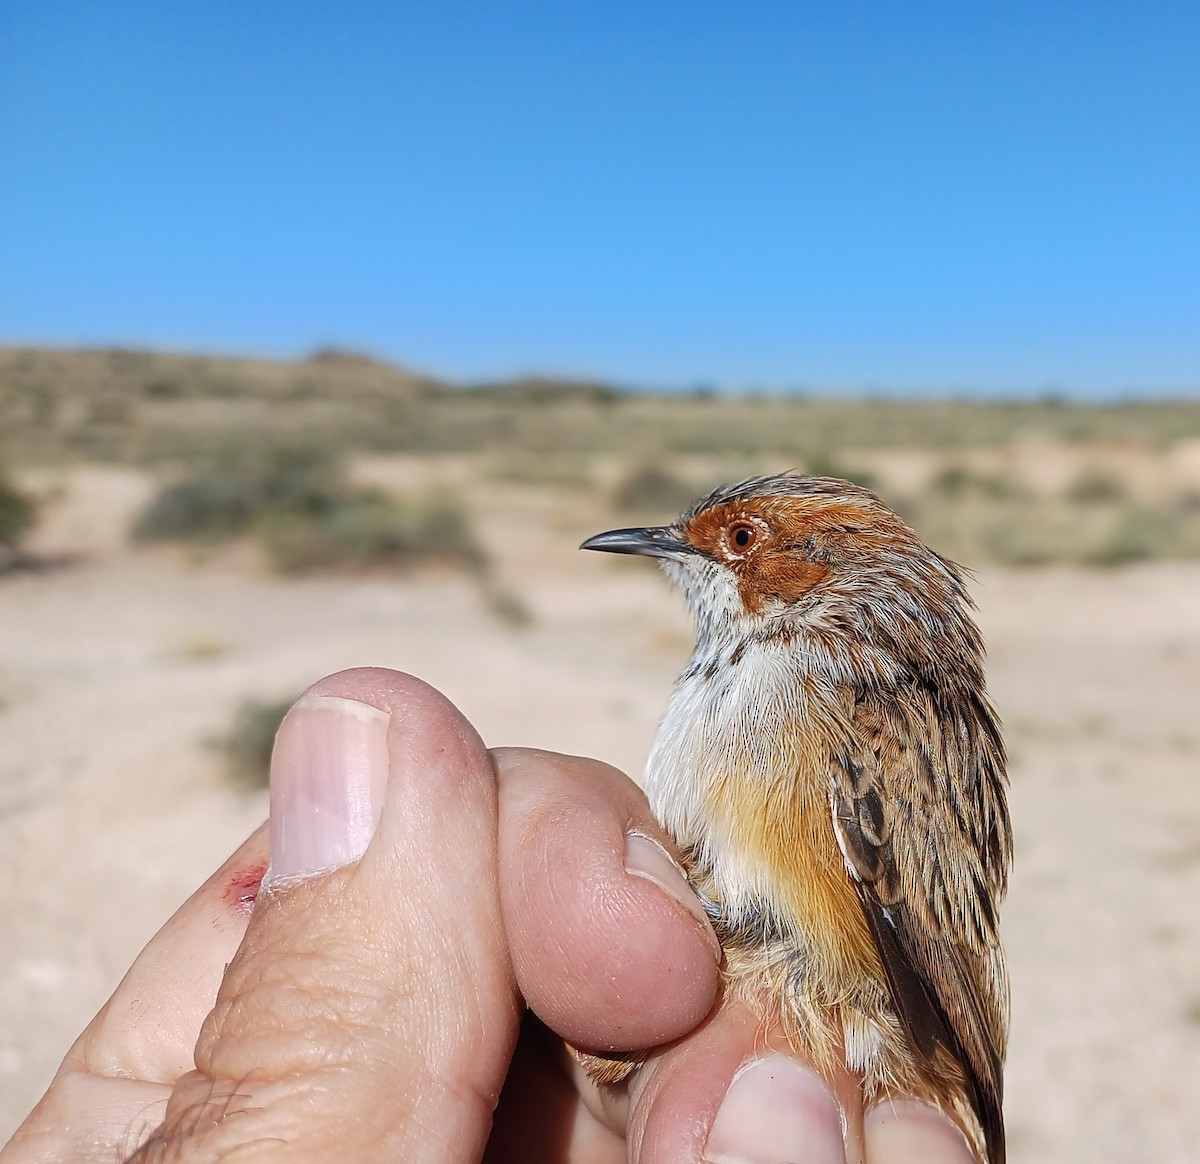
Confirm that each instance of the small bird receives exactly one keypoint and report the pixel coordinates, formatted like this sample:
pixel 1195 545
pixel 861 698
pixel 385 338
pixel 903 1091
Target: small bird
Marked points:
pixel 833 772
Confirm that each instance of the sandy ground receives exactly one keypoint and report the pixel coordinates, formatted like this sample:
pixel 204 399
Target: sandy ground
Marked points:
pixel 114 672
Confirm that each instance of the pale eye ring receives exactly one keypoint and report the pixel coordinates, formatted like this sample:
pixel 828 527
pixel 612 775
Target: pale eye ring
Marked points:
pixel 742 535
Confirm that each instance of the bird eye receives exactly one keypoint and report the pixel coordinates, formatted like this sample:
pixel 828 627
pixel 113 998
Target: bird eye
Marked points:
pixel 742 534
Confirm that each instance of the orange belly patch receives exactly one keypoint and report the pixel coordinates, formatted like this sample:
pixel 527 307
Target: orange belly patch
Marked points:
pixel 786 831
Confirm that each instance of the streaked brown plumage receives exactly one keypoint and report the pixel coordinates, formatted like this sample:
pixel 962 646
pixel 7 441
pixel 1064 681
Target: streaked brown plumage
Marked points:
pixel 832 769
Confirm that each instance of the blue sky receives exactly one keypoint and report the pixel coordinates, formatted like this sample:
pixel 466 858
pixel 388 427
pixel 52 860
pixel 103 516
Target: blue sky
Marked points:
pixel 921 196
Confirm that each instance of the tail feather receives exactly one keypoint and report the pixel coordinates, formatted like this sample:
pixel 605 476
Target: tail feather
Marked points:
pixel 920 1005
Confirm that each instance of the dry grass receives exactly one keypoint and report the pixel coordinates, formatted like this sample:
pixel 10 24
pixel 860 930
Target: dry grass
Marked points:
pixel 1097 521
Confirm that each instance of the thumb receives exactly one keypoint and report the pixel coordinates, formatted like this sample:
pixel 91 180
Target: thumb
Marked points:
pixel 370 1012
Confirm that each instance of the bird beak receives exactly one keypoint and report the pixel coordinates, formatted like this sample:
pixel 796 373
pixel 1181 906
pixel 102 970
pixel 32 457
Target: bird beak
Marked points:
pixel 656 541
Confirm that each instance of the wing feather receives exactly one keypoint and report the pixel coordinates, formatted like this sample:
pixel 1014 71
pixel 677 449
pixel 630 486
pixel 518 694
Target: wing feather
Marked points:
pixel 921 815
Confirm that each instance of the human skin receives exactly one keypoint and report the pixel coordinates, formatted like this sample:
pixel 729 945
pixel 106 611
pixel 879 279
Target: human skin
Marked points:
pixel 371 1003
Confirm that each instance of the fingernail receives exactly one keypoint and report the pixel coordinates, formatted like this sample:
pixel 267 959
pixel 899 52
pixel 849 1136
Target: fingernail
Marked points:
pixel 645 857
pixel 328 775
pixel 907 1130
pixel 776 1111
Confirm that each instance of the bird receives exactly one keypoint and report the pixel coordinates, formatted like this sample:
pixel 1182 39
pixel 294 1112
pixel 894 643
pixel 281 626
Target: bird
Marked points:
pixel 833 772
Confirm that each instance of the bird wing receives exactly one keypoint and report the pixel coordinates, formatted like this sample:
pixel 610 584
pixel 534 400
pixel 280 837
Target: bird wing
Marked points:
pixel 919 807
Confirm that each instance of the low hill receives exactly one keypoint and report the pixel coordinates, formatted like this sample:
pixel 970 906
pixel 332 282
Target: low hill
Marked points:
pixel 147 407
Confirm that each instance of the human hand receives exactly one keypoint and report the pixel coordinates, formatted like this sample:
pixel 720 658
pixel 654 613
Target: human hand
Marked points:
pixel 420 892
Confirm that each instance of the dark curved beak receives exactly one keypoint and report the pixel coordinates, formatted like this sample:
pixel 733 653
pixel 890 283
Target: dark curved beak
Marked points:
pixel 656 541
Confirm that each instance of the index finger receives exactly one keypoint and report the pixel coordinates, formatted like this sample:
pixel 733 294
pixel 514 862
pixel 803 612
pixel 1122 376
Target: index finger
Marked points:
pixel 610 946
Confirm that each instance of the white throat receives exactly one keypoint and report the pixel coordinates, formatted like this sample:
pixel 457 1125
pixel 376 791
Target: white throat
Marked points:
pixel 732 716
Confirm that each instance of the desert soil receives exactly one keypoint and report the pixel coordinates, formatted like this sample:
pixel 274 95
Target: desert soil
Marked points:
pixel 116 668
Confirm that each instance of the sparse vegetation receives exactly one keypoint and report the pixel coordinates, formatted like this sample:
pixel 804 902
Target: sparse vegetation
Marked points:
pixel 295 498
pixel 152 407
pixel 649 488
pixel 957 483
pixel 978 517
pixel 257 448
pixel 551 471
pixel 366 529
pixel 1095 485
pixel 17 513
pixel 237 485
pixel 507 606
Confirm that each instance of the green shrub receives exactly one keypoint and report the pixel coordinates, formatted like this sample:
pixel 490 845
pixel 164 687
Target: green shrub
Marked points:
pixel 236 485
pixel 1013 538
pixel 209 507
pixel 297 477
pixel 1034 531
pixel 1137 534
pixel 247 745
pixel 366 529
pixel 649 488
pixel 296 500
pixel 17 513
pixel 507 606
pixel 957 482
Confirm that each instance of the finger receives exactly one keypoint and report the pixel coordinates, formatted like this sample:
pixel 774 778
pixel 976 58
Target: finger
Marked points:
pixel 114 1083
pixel 904 1129
pixel 370 1012
pixel 734 1092
pixel 610 946
pixel 176 978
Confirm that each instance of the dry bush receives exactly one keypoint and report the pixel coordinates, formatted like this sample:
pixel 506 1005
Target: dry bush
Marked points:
pixel 956 482
pixel 506 605
pixel 246 746
pixel 296 500
pixel 648 488
pixel 1096 485
pixel 236 484
pixel 18 513
pixel 366 529
pixel 976 519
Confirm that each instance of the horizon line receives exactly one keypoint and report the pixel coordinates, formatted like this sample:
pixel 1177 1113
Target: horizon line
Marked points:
pixel 1050 390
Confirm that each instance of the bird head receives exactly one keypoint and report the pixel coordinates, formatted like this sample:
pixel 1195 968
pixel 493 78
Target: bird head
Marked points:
pixel 814 557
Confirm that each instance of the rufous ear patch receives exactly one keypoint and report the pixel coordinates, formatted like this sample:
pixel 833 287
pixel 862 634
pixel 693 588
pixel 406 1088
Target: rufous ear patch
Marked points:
pixel 774 568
